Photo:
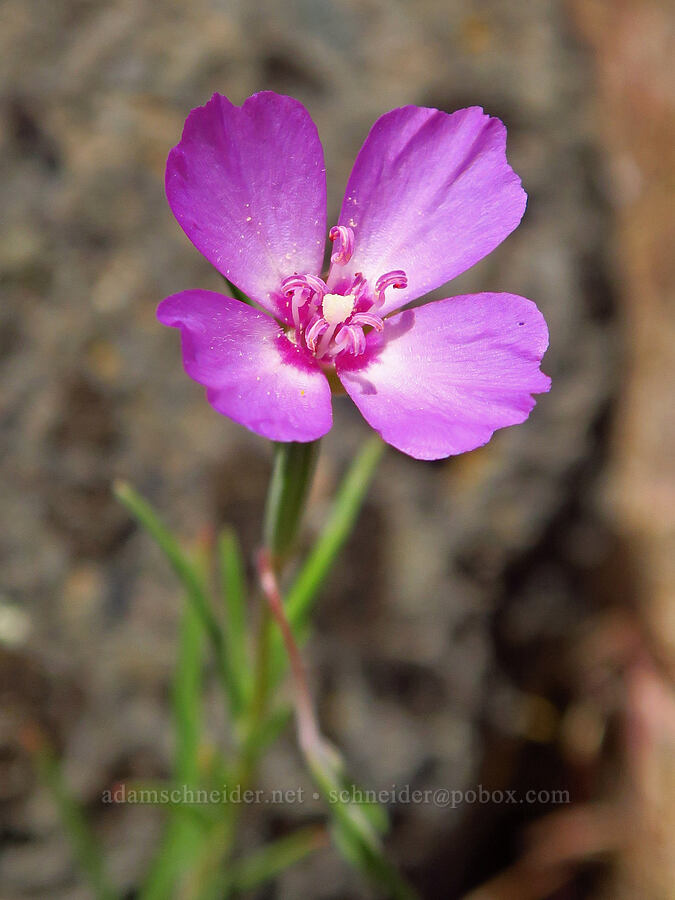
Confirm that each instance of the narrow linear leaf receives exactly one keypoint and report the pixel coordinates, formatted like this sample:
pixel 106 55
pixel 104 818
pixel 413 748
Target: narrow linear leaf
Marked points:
pixel 374 866
pixel 187 572
pixel 334 534
pixel 187 698
pixel 234 597
pixel 374 812
pixel 184 568
pixel 184 830
pixel 83 841
pixel 341 519
pixel 356 827
pixel 270 861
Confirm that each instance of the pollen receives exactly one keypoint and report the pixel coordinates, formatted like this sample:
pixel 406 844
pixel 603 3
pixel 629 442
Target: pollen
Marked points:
pixel 337 307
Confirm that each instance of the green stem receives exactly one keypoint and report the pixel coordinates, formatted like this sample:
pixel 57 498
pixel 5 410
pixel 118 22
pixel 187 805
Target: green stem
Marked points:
pixel 337 528
pixel 308 731
pixel 294 466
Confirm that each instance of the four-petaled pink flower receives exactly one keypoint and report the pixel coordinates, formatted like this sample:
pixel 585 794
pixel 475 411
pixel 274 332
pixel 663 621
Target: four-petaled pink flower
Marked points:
pixel 430 194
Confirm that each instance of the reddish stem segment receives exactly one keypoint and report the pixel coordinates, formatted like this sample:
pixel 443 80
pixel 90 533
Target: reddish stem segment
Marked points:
pixel 308 731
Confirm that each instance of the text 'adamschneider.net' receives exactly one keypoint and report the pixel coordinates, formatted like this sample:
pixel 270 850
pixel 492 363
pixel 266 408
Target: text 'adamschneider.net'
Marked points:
pixel 394 795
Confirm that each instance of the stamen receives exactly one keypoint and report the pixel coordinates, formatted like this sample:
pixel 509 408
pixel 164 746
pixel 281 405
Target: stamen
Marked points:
pixel 300 297
pixel 395 279
pixel 367 318
pixel 358 286
pixel 358 341
pixel 344 337
pixel 316 328
pixel 344 244
pixel 326 338
pixel 347 335
pixel 311 282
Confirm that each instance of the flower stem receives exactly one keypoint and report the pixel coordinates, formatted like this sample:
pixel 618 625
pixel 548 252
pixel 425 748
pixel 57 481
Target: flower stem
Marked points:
pixel 294 466
pixel 354 831
pixel 308 732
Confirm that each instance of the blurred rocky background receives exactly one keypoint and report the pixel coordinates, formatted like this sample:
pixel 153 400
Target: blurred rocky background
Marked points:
pixel 504 618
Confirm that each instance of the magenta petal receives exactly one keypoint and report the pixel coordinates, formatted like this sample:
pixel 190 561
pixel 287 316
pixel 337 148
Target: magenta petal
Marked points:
pixel 252 372
pixel 430 193
pixel 442 378
pixel 248 186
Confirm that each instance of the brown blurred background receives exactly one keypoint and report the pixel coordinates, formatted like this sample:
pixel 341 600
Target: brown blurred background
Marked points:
pixel 504 618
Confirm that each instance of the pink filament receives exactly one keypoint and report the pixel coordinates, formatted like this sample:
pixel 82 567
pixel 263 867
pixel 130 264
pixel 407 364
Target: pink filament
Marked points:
pixel 343 338
pixel 326 338
pixel 367 318
pixel 315 329
pixel 395 279
pixel 300 297
pixel 302 289
pixel 343 237
pixel 310 282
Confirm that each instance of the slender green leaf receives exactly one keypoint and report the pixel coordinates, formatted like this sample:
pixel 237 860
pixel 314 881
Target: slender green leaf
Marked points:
pixel 371 864
pixel 374 812
pixel 187 698
pixel 357 838
pixel 185 569
pixel 234 596
pixel 83 841
pixel 273 859
pixel 185 828
pixel 269 729
pixel 188 573
pixel 334 534
pixel 357 825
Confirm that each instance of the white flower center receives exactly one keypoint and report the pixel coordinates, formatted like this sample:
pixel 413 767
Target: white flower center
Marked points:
pixel 337 307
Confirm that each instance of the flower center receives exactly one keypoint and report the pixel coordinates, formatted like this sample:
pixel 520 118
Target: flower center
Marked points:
pixel 331 324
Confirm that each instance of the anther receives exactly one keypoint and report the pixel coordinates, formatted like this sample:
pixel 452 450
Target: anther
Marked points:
pixel 312 282
pixel 299 298
pixel 343 237
pixel 395 279
pixel 314 331
pixel 359 284
pixel 366 318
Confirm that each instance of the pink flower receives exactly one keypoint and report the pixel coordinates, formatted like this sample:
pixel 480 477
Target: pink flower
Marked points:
pixel 430 194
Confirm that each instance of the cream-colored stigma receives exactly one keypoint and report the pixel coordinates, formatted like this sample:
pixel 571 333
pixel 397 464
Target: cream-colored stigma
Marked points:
pixel 337 307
